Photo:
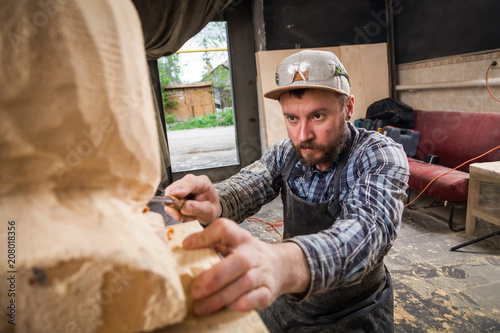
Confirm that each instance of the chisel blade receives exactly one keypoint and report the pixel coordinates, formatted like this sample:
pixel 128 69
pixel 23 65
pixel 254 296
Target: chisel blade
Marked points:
pixel 169 201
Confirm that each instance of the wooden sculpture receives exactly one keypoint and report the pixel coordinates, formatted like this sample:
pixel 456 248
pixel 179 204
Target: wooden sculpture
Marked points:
pixel 79 160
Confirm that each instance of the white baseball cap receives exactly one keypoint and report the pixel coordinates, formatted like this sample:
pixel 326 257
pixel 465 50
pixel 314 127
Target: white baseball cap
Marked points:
pixel 310 69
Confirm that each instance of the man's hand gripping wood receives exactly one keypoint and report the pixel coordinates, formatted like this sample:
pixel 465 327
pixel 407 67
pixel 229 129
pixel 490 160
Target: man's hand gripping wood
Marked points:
pixel 251 275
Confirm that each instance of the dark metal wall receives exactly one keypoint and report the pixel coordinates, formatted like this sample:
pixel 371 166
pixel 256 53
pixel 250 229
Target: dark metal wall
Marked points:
pixel 423 29
pixel 318 23
pixel 428 29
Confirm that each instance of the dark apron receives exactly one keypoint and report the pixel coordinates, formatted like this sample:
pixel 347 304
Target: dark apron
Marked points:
pixel 365 307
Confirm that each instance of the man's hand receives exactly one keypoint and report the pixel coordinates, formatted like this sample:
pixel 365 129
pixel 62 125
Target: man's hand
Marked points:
pixel 202 202
pixel 252 273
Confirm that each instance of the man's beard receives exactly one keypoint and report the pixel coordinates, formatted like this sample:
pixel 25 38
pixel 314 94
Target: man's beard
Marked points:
pixel 329 152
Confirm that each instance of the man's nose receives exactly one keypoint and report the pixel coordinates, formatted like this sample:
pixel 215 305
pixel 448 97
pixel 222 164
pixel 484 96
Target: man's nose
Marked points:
pixel 305 132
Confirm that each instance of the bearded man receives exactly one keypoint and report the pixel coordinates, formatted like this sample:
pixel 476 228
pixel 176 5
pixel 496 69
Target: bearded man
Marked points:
pixel 343 192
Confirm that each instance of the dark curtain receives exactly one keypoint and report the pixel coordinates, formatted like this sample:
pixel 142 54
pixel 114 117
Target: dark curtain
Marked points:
pixel 167 25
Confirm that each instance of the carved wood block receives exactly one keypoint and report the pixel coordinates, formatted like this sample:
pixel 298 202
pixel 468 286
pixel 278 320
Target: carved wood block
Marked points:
pixel 191 263
pixel 79 159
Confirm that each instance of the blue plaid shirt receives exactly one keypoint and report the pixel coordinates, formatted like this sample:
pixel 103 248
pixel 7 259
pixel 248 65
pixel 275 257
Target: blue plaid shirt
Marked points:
pixel 372 194
pixel 311 184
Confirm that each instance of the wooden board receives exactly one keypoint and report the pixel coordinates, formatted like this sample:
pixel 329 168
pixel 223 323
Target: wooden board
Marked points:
pixel 368 70
pixel 190 264
pixel 224 321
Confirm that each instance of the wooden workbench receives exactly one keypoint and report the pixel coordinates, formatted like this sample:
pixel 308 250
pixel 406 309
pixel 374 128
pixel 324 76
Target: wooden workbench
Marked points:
pixel 484 195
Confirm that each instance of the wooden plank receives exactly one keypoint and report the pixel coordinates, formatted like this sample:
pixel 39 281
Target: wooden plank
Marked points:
pixel 351 58
pixel 482 174
pixel 369 73
pixel 225 321
pixel 190 264
pixel 487 214
pixel 472 202
pixel 486 171
pixel 375 72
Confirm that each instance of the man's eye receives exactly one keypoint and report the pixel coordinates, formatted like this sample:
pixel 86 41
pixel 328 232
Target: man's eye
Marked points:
pixel 318 116
pixel 292 118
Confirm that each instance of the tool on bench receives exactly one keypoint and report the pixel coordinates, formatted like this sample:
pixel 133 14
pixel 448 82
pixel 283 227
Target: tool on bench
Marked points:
pixel 170 200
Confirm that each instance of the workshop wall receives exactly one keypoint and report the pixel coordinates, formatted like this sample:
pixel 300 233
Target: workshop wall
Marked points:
pixel 342 27
pixel 428 29
pixel 321 23
pixel 434 44
pixel 439 45
pixel 424 76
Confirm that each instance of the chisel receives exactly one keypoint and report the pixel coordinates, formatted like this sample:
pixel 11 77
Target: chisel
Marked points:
pixel 170 201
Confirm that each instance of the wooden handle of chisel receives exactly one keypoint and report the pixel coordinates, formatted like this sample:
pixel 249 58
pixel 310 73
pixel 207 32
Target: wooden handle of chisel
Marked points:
pixel 177 203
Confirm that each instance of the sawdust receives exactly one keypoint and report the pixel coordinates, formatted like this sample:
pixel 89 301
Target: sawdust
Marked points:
pixel 448 316
pixel 440 292
pixel 401 314
pixel 445 309
pixel 446 328
pixel 479 313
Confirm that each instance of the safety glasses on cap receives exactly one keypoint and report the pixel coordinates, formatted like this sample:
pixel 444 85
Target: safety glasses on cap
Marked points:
pixel 288 73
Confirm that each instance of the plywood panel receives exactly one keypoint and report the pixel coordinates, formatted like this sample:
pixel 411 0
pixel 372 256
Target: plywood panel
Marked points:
pixel 375 71
pixel 351 58
pixel 369 73
pixel 367 68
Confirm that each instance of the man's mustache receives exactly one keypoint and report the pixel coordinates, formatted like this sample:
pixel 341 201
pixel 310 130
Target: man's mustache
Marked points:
pixel 310 145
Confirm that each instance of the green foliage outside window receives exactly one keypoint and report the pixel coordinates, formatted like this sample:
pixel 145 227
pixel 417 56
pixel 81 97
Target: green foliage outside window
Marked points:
pixel 169 70
pixel 224 118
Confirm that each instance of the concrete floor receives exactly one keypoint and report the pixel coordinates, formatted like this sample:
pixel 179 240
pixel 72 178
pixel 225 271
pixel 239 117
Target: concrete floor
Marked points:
pixel 202 148
pixel 436 290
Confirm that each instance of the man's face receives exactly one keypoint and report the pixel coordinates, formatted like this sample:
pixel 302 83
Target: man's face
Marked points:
pixel 317 125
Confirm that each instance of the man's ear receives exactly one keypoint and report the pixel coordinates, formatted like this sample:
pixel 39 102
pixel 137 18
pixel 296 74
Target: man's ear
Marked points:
pixel 349 107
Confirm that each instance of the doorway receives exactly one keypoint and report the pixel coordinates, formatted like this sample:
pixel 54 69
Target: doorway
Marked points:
pixel 197 100
pixel 243 73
